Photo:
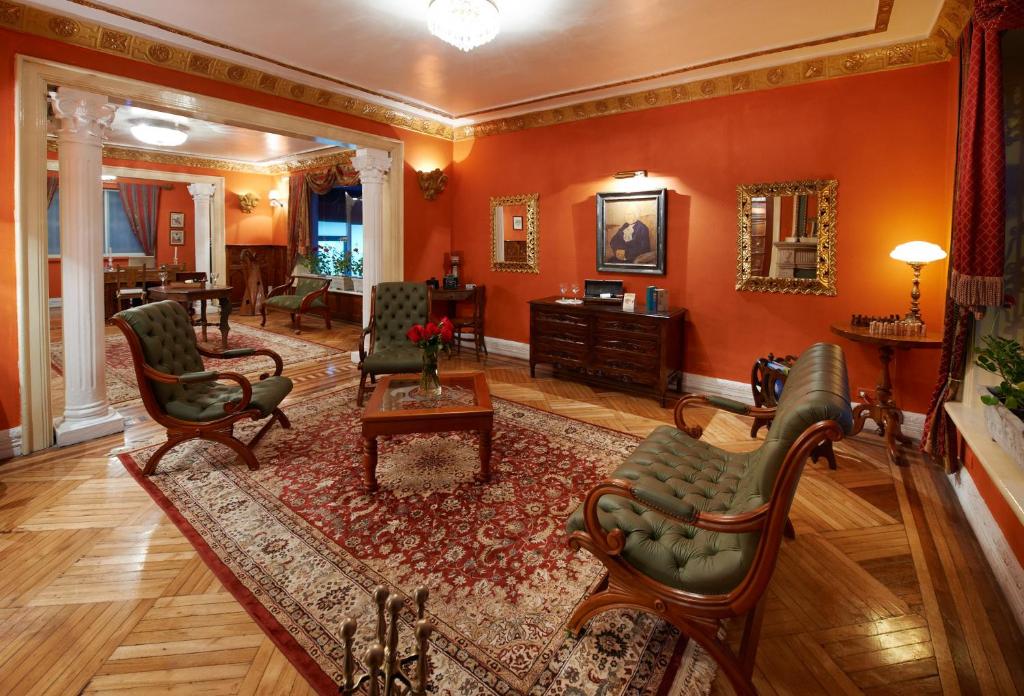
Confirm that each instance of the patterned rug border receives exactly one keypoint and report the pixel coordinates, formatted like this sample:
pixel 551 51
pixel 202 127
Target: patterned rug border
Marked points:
pixel 293 651
pixel 306 665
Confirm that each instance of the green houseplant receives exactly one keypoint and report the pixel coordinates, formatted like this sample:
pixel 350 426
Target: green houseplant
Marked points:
pixel 1004 412
pixel 320 261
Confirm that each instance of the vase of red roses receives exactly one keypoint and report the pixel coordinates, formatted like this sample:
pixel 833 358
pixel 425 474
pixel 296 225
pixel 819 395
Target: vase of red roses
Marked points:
pixel 432 339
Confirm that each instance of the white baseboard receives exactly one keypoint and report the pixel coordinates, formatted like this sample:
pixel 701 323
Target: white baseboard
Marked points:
pixel 56 302
pixel 998 553
pixel 10 443
pixel 913 423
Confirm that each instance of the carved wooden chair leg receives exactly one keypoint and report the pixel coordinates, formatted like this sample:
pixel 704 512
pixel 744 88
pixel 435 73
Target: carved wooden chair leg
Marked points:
pixel 173 440
pixel 723 655
pixel 263 431
pixel 240 448
pixel 298 323
pixel 788 530
pixel 282 419
pixel 751 636
pixel 595 604
pixel 263 314
pixel 825 451
pixel 327 318
pixel 362 389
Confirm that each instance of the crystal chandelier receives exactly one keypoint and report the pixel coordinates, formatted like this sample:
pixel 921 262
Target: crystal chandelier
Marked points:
pixel 464 24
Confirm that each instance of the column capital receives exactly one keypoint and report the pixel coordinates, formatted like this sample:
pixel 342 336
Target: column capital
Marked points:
pixel 372 164
pixel 198 191
pixel 84 117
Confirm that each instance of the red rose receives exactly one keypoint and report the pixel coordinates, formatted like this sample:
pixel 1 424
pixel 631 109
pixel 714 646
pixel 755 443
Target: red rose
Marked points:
pixel 415 334
pixel 431 330
pixel 446 333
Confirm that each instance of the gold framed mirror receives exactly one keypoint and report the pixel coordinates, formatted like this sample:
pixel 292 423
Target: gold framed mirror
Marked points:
pixel 514 234
pixel 787 237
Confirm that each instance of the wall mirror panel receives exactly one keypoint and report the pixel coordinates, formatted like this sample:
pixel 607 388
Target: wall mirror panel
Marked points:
pixel 514 234
pixel 787 237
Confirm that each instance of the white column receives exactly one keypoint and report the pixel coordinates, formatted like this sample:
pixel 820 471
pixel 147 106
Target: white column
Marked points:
pixel 84 120
pixel 373 167
pixel 202 195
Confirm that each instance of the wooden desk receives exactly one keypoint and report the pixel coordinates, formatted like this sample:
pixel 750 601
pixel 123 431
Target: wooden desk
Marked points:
pixel 452 296
pixel 880 406
pixel 199 293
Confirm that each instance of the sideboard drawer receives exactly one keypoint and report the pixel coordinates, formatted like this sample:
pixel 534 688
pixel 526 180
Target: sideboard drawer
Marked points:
pixel 640 326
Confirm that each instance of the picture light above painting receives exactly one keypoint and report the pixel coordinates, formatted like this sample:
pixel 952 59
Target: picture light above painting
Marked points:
pixel 631 232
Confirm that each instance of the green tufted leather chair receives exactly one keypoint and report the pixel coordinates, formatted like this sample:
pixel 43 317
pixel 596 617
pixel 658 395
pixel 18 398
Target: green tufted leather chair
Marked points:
pixel 300 295
pixel 394 309
pixel 186 398
pixel 691 532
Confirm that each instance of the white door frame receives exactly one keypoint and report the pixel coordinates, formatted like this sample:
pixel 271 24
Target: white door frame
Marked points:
pixel 33 75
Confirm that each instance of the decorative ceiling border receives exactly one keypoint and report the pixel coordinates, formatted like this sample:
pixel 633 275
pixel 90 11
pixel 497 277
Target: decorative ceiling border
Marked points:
pixel 293 163
pixel 952 18
pixel 938 47
pixel 87 34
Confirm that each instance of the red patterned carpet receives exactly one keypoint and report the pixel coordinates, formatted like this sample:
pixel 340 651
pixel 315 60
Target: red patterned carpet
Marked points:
pixel 121 386
pixel 302 546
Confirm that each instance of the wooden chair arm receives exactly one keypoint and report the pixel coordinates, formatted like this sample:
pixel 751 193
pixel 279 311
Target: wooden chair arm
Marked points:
pixel 309 299
pixel 362 341
pixel 205 376
pixel 722 404
pixel 613 542
pixel 280 289
pixel 245 352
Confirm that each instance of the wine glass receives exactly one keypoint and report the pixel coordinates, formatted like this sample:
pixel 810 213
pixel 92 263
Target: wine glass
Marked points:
pixel 213 278
pixel 575 292
pixel 163 277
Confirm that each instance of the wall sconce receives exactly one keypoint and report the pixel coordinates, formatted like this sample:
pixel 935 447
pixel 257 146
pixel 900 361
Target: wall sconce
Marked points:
pixel 248 202
pixel 630 173
pixel 276 199
pixel 432 183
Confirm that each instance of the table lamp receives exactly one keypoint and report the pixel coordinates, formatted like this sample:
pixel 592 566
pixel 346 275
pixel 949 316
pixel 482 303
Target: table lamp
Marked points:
pixel 916 255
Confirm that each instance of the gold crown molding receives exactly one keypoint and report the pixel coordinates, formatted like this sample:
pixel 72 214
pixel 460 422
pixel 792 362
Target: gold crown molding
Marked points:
pixel 952 18
pixel 91 35
pixel 296 163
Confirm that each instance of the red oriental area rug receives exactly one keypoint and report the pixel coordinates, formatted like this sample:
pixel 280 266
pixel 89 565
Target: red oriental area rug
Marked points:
pixel 302 546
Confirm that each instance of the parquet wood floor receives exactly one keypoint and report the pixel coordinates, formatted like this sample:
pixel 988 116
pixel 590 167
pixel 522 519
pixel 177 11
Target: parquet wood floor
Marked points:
pixel 884 591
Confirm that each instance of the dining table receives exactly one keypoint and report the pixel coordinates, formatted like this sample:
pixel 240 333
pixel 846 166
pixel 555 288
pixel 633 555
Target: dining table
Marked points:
pixel 189 293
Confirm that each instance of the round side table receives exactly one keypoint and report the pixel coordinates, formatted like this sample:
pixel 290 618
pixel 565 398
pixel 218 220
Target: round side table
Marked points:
pixel 880 406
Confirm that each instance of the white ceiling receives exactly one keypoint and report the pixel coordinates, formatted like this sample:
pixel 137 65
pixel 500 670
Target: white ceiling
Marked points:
pixel 210 140
pixel 554 51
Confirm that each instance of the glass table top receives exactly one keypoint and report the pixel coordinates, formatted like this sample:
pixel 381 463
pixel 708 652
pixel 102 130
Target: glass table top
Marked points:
pixel 403 394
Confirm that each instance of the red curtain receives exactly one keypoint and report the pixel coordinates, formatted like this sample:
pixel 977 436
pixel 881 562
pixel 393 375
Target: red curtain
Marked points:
pixel 979 210
pixel 302 185
pixel 141 204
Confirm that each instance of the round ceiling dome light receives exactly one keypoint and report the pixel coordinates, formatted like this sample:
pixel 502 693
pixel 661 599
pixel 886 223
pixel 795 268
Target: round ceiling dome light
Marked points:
pixel 159 133
pixel 464 24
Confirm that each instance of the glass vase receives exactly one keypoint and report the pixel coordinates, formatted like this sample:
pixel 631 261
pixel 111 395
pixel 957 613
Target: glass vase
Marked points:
pixel 430 380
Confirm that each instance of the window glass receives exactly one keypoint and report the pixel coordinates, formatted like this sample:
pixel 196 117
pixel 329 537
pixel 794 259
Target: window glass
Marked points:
pixel 118 238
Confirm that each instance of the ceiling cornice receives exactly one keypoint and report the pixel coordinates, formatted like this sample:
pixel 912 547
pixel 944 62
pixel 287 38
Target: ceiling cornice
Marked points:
pixel 292 163
pixel 951 20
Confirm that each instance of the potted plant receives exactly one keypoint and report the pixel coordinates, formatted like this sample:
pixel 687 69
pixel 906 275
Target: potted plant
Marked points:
pixel 343 270
pixel 356 266
pixel 1004 414
pixel 320 261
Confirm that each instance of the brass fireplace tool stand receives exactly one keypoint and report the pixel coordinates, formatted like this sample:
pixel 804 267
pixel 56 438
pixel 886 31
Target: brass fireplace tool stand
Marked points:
pixel 386 671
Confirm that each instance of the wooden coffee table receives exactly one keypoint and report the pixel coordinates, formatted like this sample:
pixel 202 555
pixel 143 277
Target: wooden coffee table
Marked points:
pixel 395 409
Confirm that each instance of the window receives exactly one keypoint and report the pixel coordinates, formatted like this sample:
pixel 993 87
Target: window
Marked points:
pixel 118 238
pixel 339 220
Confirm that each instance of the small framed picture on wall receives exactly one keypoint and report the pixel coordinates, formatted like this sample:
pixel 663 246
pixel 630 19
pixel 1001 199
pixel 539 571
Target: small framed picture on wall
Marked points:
pixel 177 237
pixel 177 219
pixel 517 222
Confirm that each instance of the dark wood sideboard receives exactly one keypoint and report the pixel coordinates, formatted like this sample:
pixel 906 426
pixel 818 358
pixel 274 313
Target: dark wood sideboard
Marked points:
pixel 602 344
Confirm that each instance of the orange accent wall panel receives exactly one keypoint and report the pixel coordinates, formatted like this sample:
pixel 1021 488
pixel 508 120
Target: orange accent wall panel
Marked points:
pixel 888 138
pixel 1008 522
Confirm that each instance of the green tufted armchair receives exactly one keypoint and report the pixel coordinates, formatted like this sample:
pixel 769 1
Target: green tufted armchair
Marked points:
pixel 179 392
pixel 691 532
pixel 300 295
pixel 394 309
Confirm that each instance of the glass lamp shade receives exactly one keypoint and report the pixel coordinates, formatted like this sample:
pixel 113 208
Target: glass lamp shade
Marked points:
pixel 464 24
pixel 160 134
pixel 918 252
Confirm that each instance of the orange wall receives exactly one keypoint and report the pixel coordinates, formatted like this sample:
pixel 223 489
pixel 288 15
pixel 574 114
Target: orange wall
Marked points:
pixel 427 223
pixel 887 138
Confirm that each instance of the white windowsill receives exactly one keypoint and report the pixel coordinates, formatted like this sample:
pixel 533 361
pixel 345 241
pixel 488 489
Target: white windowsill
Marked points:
pixel 969 419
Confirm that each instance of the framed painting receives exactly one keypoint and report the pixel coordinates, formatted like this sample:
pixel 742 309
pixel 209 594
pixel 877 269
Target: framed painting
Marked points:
pixel 177 219
pixel 517 222
pixel 177 237
pixel 631 232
